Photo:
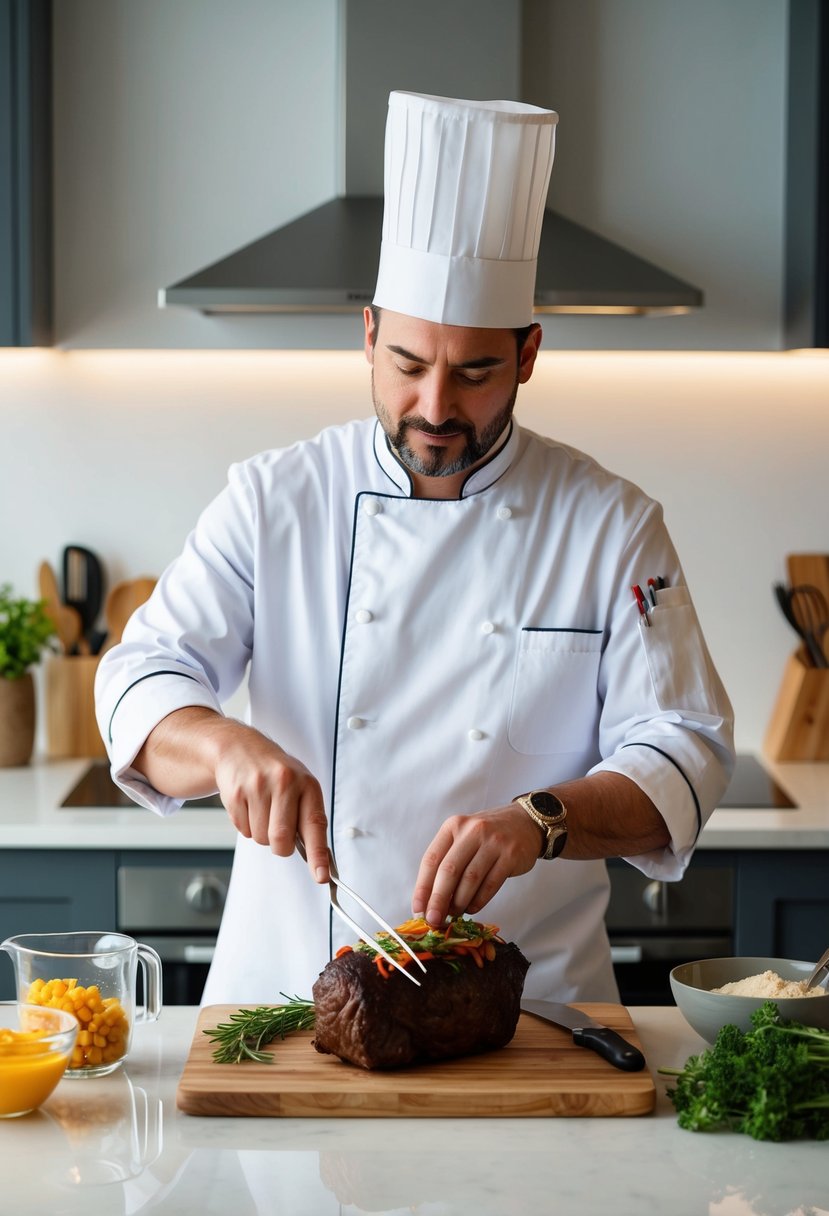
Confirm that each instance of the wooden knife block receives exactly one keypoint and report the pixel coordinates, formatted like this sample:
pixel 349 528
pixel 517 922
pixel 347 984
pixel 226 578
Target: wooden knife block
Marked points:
pixel 71 729
pixel 799 726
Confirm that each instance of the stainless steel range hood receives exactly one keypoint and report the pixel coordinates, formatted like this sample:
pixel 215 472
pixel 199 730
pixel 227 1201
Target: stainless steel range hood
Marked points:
pixel 326 260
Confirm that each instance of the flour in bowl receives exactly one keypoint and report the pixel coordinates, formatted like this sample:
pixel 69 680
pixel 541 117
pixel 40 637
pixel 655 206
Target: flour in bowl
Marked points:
pixel 768 984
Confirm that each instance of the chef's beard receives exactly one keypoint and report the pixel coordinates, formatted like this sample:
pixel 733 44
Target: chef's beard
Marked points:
pixel 437 463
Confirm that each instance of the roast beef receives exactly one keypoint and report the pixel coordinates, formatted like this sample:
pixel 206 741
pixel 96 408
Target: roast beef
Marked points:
pixel 460 1009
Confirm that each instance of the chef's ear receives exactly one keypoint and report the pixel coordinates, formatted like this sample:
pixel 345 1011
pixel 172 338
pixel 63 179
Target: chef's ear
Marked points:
pixel 371 320
pixel 526 357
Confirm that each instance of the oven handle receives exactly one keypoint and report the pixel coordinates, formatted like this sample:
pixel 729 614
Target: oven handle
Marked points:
pixel 199 954
pixel 626 954
pixel 182 949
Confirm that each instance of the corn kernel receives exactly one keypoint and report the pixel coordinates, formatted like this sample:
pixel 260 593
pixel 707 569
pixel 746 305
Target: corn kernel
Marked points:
pixel 104 1024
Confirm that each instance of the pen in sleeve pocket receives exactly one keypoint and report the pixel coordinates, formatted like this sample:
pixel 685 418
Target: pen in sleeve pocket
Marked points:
pixel 641 602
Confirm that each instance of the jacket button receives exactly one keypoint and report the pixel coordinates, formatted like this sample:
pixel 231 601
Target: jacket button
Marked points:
pixel 351 832
pixel 362 616
pixel 504 512
pixel 475 735
pixel 356 723
pixel 372 507
pixel 487 627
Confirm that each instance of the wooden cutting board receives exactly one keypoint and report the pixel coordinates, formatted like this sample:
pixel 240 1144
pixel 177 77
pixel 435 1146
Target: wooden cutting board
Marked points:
pixel 541 1073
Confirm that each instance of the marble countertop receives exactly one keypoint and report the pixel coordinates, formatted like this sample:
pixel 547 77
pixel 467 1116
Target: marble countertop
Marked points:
pixel 31 816
pixel 119 1145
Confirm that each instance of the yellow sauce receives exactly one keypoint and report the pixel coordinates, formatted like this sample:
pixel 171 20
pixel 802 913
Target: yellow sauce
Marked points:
pixel 29 1071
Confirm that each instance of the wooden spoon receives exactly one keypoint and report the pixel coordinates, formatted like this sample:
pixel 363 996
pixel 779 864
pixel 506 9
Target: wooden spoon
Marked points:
pixel 122 602
pixel 67 621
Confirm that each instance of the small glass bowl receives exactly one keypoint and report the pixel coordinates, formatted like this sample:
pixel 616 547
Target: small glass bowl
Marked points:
pixel 31 1068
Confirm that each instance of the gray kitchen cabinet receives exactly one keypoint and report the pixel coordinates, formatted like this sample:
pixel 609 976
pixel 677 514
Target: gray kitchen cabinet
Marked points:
pixel 53 891
pixel 25 173
pixel 806 300
pixel 782 904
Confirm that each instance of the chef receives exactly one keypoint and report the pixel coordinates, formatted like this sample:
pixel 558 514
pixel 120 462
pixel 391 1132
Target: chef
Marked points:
pixel 451 681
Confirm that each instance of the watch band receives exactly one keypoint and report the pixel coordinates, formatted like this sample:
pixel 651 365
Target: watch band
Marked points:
pixel 550 813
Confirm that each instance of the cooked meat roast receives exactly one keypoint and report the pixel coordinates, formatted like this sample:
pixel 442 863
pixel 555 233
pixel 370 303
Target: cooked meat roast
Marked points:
pixel 380 1021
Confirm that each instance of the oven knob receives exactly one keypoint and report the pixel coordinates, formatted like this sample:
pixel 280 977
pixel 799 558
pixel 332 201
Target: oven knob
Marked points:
pixel 205 893
pixel 654 897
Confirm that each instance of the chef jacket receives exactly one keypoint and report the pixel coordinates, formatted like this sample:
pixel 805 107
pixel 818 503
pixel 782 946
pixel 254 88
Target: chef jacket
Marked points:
pixel 423 657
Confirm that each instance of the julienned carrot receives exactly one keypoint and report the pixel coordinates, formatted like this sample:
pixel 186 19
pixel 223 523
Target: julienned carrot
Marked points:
pixel 344 950
pixel 481 947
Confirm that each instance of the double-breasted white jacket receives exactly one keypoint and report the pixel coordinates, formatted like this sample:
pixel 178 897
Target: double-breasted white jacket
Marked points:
pixel 425 657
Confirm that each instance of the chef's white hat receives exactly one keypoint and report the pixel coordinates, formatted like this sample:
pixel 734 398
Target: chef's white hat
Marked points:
pixel 465 188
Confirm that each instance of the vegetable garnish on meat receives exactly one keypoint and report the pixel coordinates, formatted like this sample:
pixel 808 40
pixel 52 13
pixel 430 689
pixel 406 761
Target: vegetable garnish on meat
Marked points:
pixel 460 938
pixel 771 1083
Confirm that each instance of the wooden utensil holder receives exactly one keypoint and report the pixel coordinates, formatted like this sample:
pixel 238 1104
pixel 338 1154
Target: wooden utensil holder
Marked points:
pixel 71 729
pixel 799 726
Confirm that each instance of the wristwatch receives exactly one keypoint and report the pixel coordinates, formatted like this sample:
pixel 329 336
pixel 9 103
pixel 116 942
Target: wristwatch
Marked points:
pixel 550 813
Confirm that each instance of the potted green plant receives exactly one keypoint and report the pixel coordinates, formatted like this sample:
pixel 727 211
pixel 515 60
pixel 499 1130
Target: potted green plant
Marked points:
pixel 26 630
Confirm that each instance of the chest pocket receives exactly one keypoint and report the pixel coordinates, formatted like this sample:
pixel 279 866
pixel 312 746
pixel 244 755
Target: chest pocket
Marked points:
pixel 555 702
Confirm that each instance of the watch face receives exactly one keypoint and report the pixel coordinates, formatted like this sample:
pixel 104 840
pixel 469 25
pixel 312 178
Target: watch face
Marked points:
pixel 546 803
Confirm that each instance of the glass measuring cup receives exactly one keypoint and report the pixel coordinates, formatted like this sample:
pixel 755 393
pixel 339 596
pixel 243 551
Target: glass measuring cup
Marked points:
pixel 92 975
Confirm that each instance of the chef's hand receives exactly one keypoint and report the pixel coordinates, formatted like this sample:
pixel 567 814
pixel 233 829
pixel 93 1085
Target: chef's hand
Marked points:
pixel 269 795
pixel 470 858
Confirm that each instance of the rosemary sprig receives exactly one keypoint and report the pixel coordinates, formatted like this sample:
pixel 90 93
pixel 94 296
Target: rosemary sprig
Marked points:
pixel 243 1036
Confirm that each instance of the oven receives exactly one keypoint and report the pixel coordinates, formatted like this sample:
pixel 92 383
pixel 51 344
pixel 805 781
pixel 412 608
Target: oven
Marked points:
pixel 654 926
pixel 176 909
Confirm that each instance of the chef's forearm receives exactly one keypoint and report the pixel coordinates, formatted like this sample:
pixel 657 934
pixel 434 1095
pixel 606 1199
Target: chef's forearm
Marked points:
pixel 180 755
pixel 608 815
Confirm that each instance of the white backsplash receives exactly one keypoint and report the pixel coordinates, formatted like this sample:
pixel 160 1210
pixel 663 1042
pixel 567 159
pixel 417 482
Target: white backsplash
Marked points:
pixel 121 450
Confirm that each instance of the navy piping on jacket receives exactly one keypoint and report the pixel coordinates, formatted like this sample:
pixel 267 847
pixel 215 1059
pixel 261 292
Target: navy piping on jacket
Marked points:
pixel 148 676
pixel 682 774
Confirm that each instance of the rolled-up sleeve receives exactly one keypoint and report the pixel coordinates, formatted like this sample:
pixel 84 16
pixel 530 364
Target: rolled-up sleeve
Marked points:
pixel 189 645
pixel 666 722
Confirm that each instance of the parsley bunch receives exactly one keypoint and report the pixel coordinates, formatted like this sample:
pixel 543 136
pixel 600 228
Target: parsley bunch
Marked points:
pixel 771 1083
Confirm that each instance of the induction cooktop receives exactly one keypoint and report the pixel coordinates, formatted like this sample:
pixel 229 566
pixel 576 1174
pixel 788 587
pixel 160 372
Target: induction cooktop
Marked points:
pixel 96 789
pixel 753 788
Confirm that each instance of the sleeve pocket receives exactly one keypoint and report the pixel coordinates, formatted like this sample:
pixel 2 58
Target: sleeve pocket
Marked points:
pixel 678 663
pixel 555 703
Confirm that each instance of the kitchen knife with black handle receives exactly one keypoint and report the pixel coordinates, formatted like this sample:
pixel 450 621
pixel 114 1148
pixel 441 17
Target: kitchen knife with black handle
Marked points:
pixel 589 1033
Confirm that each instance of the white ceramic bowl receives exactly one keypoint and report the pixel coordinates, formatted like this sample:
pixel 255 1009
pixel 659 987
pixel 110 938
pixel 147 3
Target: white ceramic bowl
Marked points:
pixel 31 1068
pixel 706 1011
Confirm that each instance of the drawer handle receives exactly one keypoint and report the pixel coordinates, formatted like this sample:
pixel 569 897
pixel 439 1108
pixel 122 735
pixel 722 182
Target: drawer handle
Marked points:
pixel 626 954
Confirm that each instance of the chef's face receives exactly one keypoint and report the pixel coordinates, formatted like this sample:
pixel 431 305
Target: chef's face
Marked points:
pixel 444 393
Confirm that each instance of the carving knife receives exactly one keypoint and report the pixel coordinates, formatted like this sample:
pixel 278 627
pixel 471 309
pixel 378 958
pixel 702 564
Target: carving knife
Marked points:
pixel 589 1033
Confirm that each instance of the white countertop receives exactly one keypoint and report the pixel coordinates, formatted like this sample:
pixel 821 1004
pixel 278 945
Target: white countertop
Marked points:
pixel 31 816
pixel 119 1145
